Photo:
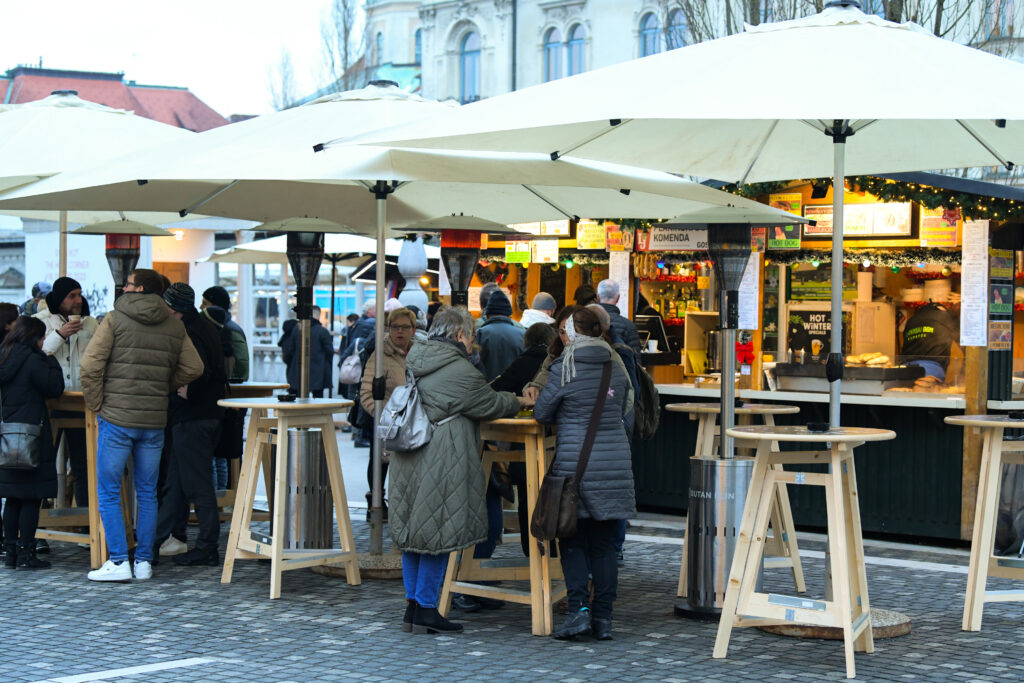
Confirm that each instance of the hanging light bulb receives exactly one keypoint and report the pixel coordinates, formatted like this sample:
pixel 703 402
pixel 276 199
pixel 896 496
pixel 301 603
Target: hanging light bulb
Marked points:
pixel 895 269
pixel 866 263
pixel 569 263
pixel 921 266
pixel 815 263
pixel 661 264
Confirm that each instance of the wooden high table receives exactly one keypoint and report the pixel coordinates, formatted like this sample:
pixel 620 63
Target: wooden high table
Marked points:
pixel 849 609
pixel 782 544
pixel 242 543
pixel 465 573
pixel 994 454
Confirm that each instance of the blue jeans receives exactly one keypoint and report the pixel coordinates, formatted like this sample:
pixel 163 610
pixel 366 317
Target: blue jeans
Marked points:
pixel 115 445
pixel 423 576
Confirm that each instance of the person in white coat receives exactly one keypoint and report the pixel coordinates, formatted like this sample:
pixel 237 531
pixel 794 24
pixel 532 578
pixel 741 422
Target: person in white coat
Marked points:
pixel 541 310
pixel 68 333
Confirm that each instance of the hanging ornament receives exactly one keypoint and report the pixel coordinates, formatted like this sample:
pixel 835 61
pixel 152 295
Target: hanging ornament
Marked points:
pixel 895 269
pixel 947 271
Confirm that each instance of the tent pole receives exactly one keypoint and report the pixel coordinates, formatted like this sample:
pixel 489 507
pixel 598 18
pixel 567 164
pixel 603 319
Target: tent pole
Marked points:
pixel 381 191
pixel 839 134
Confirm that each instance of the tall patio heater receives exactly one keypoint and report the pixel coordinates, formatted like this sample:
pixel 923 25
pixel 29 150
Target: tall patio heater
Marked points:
pixel 718 484
pixel 123 241
pixel 460 250
pixel 305 253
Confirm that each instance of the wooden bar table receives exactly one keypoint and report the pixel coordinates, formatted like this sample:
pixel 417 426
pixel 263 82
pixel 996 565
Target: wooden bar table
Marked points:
pixel 995 453
pixel 782 544
pixel 270 414
pixel 849 609
pixel 465 574
pixel 54 522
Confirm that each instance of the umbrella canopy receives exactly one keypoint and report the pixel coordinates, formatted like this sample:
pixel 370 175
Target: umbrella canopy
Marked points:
pixel 125 227
pixel 356 245
pixel 458 222
pixel 754 216
pixel 303 224
pixel 855 120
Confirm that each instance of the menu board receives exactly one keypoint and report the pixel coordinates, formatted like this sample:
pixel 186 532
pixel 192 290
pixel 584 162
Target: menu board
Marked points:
pixel 974 285
pixel 544 228
pixel 939 227
pixel 618 270
pixel 618 237
pixel 517 251
pixel 861 220
pixel 750 293
pixel 544 251
pixel 590 235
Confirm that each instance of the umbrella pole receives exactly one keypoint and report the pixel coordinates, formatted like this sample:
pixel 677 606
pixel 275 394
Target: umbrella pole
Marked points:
pixel 63 247
pixel 381 191
pixel 834 368
pixel 334 278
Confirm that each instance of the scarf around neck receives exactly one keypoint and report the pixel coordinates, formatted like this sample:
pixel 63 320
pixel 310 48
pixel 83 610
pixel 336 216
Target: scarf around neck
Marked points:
pixel 576 341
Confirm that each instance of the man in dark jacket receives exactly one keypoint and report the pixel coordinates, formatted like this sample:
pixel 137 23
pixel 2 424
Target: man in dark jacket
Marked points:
pixel 194 418
pixel 139 355
pixel 321 352
pixel 608 297
pixel 500 340
pixel 217 297
pixel 361 333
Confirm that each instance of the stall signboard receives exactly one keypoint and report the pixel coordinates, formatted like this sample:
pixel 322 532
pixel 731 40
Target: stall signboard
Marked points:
pixel 782 237
pixel 544 228
pixel 811 283
pixel 758 239
pixel 789 202
pixel 940 227
pixel 1000 335
pixel 1001 261
pixel 811 332
pixel 591 235
pixel 544 251
pixel 672 239
pixel 517 251
pixel 861 220
pixel 618 237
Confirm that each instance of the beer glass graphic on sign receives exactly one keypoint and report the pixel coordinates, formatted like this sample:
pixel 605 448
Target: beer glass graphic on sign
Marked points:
pixel 815 347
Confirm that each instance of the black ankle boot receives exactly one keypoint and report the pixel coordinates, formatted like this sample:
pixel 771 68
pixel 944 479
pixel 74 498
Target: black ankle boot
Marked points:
pixel 410 612
pixel 11 558
pixel 602 628
pixel 27 557
pixel 576 624
pixel 429 620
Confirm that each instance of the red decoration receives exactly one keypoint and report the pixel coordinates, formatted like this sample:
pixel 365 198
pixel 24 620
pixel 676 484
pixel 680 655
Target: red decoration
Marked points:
pixel 914 305
pixel 674 322
pixel 920 275
pixel 745 353
pixel 951 216
pixel 671 278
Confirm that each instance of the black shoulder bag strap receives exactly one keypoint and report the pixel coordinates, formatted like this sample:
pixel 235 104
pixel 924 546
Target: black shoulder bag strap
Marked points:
pixel 595 420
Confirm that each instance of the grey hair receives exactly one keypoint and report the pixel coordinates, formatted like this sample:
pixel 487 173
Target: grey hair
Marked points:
pixel 485 293
pixel 368 306
pixel 607 291
pixel 451 320
pixel 543 302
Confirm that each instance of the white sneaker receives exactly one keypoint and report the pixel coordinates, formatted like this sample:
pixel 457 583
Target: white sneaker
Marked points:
pixel 111 571
pixel 172 546
pixel 143 570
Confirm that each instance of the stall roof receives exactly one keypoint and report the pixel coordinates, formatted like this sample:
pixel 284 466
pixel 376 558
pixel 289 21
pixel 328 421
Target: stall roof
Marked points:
pixel 945 182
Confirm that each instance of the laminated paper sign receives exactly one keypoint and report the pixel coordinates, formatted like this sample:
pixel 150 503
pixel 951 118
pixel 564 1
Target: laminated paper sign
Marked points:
pixel 544 251
pixel 517 251
pixel 750 294
pixel 590 235
pixel 1000 335
pixel 974 285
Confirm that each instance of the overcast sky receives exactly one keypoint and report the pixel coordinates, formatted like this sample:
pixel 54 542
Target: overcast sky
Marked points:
pixel 222 50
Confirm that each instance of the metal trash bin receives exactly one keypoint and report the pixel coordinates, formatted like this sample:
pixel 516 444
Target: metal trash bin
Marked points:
pixel 718 492
pixel 309 507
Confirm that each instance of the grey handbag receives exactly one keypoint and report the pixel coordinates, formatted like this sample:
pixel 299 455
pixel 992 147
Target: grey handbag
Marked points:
pixel 20 443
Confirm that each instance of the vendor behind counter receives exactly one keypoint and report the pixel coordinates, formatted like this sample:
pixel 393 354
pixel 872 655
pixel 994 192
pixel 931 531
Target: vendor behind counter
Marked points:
pixel 928 339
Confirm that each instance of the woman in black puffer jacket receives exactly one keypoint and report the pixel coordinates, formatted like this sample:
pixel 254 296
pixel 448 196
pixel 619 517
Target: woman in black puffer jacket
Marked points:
pixel 606 488
pixel 27 378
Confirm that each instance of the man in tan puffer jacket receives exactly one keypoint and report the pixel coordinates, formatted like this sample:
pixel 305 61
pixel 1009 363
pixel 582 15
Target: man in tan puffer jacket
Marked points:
pixel 137 357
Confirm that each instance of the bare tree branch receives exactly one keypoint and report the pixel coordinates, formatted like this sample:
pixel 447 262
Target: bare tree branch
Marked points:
pixel 343 45
pixel 282 82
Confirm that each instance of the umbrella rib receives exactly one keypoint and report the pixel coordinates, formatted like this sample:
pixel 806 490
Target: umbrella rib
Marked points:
pixel 970 131
pixel 547 201
pixel 204 200
pixel 613 124
pixel 757 154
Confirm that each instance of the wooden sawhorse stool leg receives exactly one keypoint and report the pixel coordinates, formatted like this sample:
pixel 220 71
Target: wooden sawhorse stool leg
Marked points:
pixel 850 608
pixel 995 454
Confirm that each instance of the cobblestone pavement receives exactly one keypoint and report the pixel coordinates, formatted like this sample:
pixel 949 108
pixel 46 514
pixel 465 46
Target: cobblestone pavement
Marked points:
pixel 183 625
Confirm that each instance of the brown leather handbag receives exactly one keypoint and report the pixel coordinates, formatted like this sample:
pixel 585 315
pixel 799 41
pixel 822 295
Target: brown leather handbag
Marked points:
pixel 556 511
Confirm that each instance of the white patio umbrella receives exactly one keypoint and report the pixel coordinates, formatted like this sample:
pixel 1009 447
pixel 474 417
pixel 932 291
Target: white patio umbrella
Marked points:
pixel 265 169
pixel 61 132
pixel 698 110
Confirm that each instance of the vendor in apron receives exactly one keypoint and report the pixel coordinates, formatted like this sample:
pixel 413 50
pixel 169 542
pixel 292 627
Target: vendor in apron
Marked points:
pixel 928 338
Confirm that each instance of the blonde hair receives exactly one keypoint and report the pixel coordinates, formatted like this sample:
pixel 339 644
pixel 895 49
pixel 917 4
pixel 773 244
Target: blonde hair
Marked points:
pixel 398 313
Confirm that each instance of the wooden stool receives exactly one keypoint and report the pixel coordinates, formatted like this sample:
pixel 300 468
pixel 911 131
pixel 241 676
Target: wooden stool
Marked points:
pixel 994 454
pixel 781 546
pixel 245 544
pixel 540 569
pixel 849 609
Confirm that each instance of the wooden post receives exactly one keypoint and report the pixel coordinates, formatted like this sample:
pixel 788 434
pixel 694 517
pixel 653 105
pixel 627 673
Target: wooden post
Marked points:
pixel 976 387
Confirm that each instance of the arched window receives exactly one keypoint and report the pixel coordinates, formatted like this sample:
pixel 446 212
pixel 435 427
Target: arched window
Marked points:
pixel 380 48
pixel 649 35
pixel 469 67
pixel 418 49
pixel 552 54
pixel 577 62
pixel 677 33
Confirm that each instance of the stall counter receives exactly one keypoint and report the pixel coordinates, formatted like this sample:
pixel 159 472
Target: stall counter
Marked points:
pixel 895 398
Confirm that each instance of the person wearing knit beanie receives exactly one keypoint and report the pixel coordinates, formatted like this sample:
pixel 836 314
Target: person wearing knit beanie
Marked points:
pixel 62 287
pixel 217 296
pixel 180 297
pixel 498 304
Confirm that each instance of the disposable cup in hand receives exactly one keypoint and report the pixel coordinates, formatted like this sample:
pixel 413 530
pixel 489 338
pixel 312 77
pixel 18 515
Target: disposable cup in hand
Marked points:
pixel 74 318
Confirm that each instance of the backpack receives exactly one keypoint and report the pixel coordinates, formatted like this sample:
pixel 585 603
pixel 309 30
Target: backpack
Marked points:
pixel 403 425
pixel 646 406
pixel 351 371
